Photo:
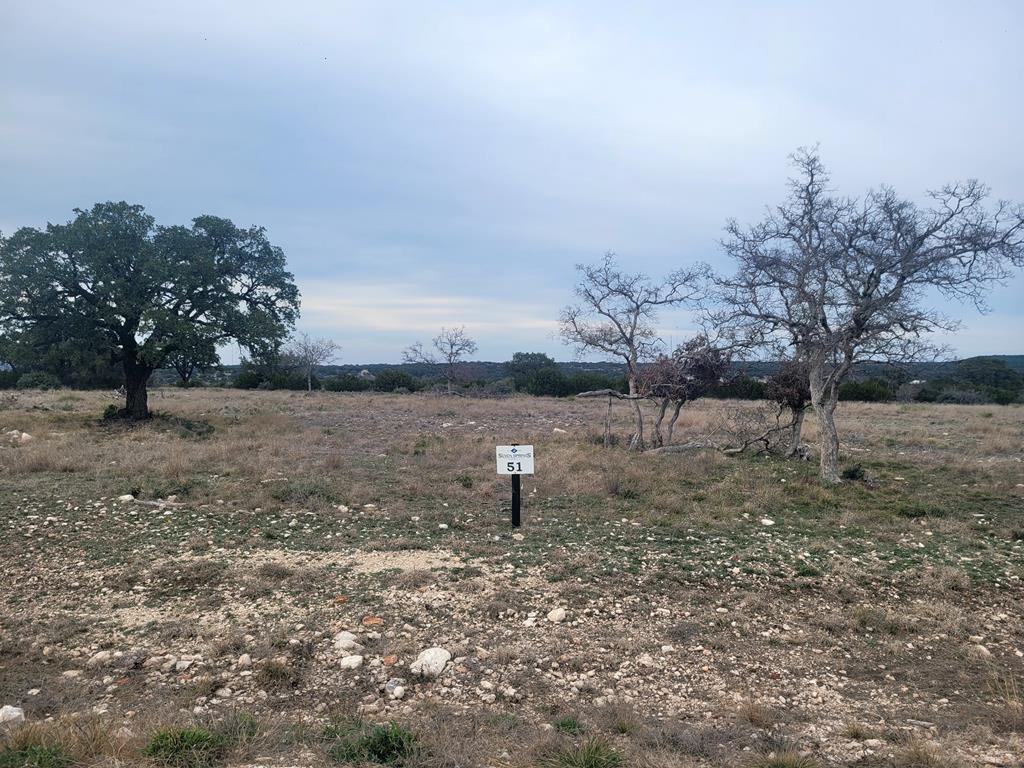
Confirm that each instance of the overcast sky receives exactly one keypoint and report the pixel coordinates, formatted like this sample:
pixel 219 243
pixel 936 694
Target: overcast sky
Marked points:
pixel 428 164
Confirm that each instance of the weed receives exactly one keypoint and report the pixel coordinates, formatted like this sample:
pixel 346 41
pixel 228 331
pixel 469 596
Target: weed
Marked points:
pixel 568 724
pixel 856 472
pixel 189 747
pixel 390 744
pixel 594 753
pixel 34 756
pixel 786 758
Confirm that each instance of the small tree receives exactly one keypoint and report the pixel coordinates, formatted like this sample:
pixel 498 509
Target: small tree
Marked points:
pixel 192 358
pixel 616 313
pixel 452 345
pixel 307 354
pixel 524 364
pixel 843 280
pixel 788 387
pixel 692 371
pixel 113 278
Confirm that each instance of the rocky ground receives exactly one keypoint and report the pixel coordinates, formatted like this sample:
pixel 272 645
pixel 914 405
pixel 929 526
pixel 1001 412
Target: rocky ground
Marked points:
pixel 311 561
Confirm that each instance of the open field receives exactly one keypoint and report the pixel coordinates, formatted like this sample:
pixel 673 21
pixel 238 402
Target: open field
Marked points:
pixel 718 611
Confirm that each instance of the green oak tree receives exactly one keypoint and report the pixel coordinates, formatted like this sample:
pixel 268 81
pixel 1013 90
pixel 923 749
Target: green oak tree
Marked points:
pixel 114 278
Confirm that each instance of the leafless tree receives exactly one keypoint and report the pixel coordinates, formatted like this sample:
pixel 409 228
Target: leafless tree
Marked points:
pixel 844 280
pixel 615 315
pixel 307 354
pixel 451 346
pixel 693 369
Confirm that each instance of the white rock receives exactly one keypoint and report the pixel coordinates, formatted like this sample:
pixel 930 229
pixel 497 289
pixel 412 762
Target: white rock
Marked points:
pixel 244 661
pixel 431 662
pixel 398 693
pixel 767 521
pixel 558 431
pixel 351 662
pixel 126 497
pixel 557 616
pixel 979 651
pixel 25 437
pixel 12 715
pixel 347 641
pixel 101 657
pixel 223 693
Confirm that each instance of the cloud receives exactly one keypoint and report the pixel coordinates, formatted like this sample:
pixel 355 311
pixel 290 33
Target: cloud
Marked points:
pixel 407 308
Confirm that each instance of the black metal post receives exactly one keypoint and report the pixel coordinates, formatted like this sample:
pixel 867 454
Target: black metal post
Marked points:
pixel 515 501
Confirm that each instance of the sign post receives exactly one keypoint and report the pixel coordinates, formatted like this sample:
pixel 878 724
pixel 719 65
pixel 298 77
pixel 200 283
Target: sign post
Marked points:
pixel 515 460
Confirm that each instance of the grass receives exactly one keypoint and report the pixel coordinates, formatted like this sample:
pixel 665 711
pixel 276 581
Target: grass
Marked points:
pixel 390 744
pixel 568 724
pixel 593 753
pixel 188 747
pixel 299 516
pixel 34 756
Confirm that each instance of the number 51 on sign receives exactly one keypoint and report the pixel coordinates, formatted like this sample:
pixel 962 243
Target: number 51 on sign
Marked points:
pixel 515 459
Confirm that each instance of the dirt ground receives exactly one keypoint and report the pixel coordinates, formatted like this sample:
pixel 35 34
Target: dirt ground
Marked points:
pixel 201 570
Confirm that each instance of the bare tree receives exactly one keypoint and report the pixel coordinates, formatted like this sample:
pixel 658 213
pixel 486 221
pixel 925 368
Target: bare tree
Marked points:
pixel 616 313
pixel 693 369
pixel 307 354
pixel 844 280
pixel 451 345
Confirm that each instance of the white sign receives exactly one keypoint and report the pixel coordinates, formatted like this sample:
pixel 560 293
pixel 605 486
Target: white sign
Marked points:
pixel 515 459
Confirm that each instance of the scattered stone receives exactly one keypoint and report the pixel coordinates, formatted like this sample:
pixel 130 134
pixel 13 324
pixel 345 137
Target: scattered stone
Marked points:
pixel 244 661
pixel 979 651
pixel 11 715
pixel 351 662
pixel 556 616
pixel 126 497
pixel 99 658
pixel 767 521
pixel 347 641
pixel 431 662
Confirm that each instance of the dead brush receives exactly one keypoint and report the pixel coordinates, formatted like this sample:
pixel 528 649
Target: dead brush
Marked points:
pixel 1008 711
pixel 923 754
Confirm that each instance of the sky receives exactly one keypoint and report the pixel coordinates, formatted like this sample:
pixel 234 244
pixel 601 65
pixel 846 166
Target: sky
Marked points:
pixel 447 164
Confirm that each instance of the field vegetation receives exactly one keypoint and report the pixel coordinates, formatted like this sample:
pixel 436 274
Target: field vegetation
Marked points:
pixel 194 589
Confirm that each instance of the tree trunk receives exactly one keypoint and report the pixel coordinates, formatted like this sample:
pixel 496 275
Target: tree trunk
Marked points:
pixel 824 397
pixel 659 439
pixel 309 379
pixel 608 424
pixel 795 430
pixel 672 423
pixel 636 442
pixel 136 402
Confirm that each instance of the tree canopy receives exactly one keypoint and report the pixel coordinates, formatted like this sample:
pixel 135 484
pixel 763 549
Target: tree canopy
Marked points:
pixel 114 278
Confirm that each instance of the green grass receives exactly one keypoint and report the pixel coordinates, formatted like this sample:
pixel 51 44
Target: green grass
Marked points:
pixel 568 724
pixel 390 744
pixel 189 747
pixel 34 756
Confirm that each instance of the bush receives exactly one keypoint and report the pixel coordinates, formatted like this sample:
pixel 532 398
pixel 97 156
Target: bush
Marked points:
pixel 741 388
pixel 347 383
pixel 185 748
pixel 38 380
pixel 547 382
pixel 392 380
pixel 867 390
pixel 8 379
